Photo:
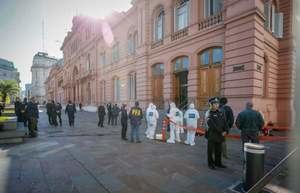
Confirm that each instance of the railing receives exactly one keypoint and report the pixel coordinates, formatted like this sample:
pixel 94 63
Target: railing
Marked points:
pixel 179 34
pixel 157 43
pixel 211 20
pixel 272 174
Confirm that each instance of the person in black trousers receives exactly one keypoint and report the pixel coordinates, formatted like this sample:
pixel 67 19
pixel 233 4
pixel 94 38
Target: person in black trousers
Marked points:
pixel 217 129
pixel 71 110
pixel 124 121
pixel 115 114
pixel 58 112
pixel 101 114
pixel 109 112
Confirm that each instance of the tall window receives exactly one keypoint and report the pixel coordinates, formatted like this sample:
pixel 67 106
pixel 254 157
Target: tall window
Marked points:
pixel 273 19
pixel 130 45
pixel 88 62
pixel 116 89
pixel 211 56
pixel 135 41
pixel 115 52
pixel 159 26
pixel 103 85
pixel 102 58
pixel 158 69
pixel 211 7
pixel 132 85
pixel 181 14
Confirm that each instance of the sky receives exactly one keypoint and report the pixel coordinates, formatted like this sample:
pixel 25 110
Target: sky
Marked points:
pixel 21 24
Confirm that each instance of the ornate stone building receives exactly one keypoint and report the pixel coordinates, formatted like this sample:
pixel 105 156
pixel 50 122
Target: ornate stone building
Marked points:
pixel 185 51
pixel 8 71
pixel 40 69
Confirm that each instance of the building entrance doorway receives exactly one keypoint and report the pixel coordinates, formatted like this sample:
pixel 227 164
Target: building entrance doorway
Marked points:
pixel 157 85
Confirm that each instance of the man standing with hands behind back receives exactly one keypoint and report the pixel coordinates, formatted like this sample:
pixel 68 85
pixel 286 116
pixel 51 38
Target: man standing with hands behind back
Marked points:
pixel 217 129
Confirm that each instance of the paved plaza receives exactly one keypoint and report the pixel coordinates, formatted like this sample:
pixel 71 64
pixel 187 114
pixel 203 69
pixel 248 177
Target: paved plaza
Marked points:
pixel 88 159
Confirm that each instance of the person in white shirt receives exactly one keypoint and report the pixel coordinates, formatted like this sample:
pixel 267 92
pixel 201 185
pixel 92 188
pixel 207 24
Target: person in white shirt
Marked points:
pixel 176 118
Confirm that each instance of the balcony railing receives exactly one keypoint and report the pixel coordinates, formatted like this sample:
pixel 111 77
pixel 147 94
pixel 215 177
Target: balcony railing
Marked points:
pixel 211 20
pixel 157 43
pixel 179 34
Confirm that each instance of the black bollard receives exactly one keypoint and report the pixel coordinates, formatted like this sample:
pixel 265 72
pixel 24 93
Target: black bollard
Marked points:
pixel 254 164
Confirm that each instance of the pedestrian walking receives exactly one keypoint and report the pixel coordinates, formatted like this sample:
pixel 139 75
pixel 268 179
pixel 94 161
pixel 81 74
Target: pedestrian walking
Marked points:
pixel 53 114
pixel 70 111
pixel 109 113
pixel 49 108
pixel 23 111
pixel 80 107
pixel 124 121
pixel 18 110
pixel 176 118
pixel 135 116
pixel 58 108
pixel 191 116
pixel 151 117
pixel 217 128
pixel 250 122
pixel 115 114
pixel 32 113
pixel 101 115
pixel 227 111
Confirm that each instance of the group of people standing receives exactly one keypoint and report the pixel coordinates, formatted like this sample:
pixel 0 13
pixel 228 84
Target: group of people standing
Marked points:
pixel 53 111
pixel 28 114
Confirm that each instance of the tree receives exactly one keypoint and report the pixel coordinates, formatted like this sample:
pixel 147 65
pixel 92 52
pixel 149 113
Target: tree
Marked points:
pixel 8 88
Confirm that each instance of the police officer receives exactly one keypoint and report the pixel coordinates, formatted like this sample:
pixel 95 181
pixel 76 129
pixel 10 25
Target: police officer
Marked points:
pixel 229 120
pixel 109 113
pixel 191 116
pixel 32 113
pixel 250 122
pixel 115 114
pixel 71 110
pixel 58 108
pixel 217 129
pixel 101 114
pixel 135 116
pixel 124 121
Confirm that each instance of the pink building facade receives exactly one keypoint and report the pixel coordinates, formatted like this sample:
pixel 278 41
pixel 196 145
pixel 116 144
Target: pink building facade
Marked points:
pixel 184 51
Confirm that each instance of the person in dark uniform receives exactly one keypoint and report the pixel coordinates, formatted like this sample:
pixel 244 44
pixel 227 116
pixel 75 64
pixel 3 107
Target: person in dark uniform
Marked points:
pixel 250 122
pixel 18 110
pixel 124 121
pixel 58 108
pixel 32 113
pixel 229 120
pixel 135 116
pixel 109 113
pixel 115 114
pixel 53 114
pixel 48 110
pixel 71 110
pixel 80 107
pixel 23 111
pixel 101 114
pixel 217 129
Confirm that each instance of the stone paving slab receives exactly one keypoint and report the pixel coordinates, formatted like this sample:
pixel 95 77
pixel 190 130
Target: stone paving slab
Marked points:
pixel 91 159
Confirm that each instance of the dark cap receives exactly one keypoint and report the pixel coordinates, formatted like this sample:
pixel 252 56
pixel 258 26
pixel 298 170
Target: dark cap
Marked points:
pixel 213 100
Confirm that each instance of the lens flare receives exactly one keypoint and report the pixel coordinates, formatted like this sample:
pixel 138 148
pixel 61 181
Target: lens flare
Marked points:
pixel 107 33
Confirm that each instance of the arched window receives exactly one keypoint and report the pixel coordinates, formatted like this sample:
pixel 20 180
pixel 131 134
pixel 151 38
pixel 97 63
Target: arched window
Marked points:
pixel 132 85
pixel 116 84
pixel 158 69
pixel 181 14
pixel 130 45
pixel 159 25
pixel 212 7
pixel 181 64
pixel 211 56
pixel 115 52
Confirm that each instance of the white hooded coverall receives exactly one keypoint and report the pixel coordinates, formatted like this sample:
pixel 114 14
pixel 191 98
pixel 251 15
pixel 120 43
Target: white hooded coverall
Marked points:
pixel 191 116
pixel 175 116
pixel 147 129
pixel 151 116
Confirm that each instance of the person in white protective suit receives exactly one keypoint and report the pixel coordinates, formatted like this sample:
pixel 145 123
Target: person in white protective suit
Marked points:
pixel 176 118
pixel 148 108
pixel 152 116
pixel 191 116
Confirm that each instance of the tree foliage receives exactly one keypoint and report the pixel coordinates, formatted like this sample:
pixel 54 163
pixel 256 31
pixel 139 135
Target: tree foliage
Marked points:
pixel 8 88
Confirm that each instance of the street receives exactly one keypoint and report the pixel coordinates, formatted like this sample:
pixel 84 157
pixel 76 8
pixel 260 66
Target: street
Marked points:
pixel 88 159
